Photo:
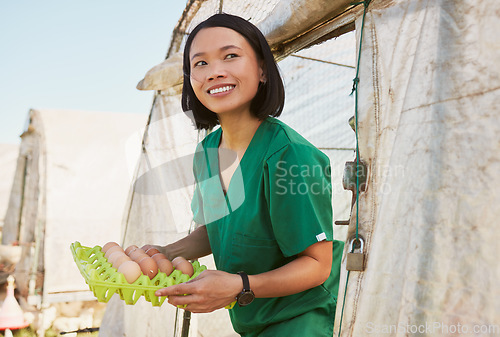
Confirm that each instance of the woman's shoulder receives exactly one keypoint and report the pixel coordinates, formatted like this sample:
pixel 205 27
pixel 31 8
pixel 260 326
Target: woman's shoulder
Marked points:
pixel 288 140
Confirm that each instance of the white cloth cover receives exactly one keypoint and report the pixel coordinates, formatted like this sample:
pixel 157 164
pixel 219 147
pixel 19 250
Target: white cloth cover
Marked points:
pixel 430 134
pixel 164 75
pixel 290 17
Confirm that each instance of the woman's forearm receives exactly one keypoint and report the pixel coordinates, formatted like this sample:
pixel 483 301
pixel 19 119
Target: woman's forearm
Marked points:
pixel 191 247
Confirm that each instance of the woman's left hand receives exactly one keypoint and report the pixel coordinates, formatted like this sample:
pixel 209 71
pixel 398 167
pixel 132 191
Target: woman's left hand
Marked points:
pixel 211 290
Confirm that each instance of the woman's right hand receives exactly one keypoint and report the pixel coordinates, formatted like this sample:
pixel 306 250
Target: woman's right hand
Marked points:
pixel 211 290
pixel 191 247
pixel 161 249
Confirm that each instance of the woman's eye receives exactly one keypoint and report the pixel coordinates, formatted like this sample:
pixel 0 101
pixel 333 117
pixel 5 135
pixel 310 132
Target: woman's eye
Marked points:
pixel 231 56
pixel 200 63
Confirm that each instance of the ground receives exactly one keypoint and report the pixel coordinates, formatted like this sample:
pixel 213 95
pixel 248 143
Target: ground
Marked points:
pixel 64 318
pixel 28 332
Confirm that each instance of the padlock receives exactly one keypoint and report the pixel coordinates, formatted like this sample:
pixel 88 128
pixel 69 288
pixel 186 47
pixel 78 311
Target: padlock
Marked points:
pixel 356 260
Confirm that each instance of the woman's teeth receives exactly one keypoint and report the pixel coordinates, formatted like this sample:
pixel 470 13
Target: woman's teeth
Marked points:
pixel 222 89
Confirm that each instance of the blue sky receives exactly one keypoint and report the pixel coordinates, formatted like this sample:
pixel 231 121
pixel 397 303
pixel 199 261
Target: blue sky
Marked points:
pixel 83 55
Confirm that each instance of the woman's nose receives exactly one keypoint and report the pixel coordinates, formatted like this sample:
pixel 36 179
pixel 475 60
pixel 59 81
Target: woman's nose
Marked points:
pixel 217 71
pixel 213 77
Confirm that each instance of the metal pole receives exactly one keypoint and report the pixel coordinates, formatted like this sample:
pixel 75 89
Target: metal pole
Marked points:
pixel 185 323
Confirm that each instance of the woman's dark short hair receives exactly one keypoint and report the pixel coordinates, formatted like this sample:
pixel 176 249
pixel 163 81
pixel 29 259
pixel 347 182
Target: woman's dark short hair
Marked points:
pixel 270 96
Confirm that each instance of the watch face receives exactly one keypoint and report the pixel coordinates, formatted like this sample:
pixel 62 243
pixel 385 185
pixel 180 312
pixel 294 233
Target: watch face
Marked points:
pixel 246 298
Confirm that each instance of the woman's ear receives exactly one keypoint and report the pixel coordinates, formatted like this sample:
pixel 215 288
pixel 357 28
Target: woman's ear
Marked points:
pixel 263 77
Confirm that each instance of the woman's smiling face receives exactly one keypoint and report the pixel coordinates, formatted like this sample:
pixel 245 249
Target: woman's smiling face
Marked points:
pixel 225 71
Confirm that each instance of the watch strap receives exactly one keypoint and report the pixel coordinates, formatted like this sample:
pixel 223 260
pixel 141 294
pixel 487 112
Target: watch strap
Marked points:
pixel 246 282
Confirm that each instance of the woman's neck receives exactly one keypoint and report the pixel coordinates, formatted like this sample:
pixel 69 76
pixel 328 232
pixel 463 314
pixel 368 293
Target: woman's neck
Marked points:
pixel 238 131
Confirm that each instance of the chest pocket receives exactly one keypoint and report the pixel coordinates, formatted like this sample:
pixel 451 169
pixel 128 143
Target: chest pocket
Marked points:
pixel 254 255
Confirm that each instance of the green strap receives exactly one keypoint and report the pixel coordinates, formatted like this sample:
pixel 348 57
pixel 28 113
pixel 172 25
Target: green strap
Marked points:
pixel 355 91
pixel 343 302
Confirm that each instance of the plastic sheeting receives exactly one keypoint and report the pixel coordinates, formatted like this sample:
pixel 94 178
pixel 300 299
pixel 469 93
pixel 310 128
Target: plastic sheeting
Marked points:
pixel 72 180
pixel 290 18
pixel 321 114
pixel 430 134
pixel 165 75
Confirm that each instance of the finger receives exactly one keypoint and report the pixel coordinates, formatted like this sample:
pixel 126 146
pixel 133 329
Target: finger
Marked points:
pixel 195 307
pixel 181 300
pixel 178 289
pixel 201 276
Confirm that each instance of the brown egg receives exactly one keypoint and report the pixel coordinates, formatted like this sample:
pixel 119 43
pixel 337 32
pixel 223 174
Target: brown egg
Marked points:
pixel 178 260
pixel 120 259
pixel 130 249
pixel 136 254
pixel 165 266
pixel 146 247
pixel 113 256
pixel 112 250
pixel 130 270
pixel 183 265
pixel 152 251
pixel 148 267
pixel 108 246
pixel 159 256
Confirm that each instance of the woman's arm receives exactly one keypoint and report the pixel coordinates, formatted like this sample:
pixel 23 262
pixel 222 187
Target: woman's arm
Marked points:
pixel 214 289
pixel 191 247
pixel 310 269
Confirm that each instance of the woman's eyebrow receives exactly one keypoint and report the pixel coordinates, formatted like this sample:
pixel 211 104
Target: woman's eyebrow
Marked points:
pixel 229 46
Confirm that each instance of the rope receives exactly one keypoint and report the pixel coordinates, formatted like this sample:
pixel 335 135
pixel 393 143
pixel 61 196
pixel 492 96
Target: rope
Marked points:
pixel 322 61
pixel 355 91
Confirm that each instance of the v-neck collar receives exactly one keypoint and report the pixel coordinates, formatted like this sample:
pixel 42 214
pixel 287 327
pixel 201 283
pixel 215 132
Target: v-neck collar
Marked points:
pixel 219 204
pixel 219 139
pixel 243 165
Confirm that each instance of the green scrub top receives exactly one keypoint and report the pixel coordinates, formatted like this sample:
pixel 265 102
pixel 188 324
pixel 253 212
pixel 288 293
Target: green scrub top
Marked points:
pixel 277 204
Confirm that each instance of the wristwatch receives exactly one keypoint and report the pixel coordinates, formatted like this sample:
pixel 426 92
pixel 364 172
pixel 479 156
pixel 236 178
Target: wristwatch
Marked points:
pixel 246 296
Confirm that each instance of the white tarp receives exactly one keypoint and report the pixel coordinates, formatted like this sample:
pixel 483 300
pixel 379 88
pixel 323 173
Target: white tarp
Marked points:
pixel 76 167
pixel 430 134
pixel 8 158
pixel 290 18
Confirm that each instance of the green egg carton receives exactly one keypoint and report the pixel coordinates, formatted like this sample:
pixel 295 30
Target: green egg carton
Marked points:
pixel 104 280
